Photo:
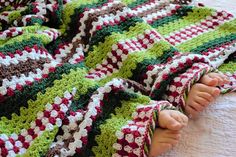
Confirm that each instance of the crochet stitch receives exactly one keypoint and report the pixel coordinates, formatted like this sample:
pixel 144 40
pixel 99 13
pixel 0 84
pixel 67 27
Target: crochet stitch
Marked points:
pixel 88 78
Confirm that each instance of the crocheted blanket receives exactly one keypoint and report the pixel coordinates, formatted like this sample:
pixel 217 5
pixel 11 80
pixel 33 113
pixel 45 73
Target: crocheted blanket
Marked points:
pixel 88 78
pixel 203 136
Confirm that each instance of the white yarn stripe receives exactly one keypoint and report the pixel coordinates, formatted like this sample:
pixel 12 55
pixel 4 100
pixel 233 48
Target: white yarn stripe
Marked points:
pixel 148 82
pixel 4 16
pixel 131 45
pixel 26 17
pixel 92 110
pixel 23 79
pixel 51 33
pixel 45 122
pixel 14 32
pixel 35 55
pixel 223 55
pixel 91 11
pixel 147 6
pixel 175 64
pixel 66 49
pixel 166 11
pixel 205 26
pixel 78 56
pixel 111 18
pixel 63 52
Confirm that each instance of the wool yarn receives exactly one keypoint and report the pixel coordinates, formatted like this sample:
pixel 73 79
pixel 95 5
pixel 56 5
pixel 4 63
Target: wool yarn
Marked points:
pixel 88 78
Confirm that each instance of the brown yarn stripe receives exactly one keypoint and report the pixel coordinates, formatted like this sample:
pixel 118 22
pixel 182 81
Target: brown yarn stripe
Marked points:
pixel 153 10
pixel 72 51
pixel 21 68
pixel 93 17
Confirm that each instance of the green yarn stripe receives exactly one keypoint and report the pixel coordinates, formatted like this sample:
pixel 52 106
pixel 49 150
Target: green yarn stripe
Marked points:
pixel 41 144
pixel 131 62
pixel 192 17
pixel 108 109
pixel 57 16
pixel 69 10
pixel 11 17
pixel 228 67
pixel 115 123
pixel 157 94
pixel 76 78
pixel 128 2
pixel 54 45
pixel 83 100
pixel 34 28
pixel 180 13
pixel 73 9
pixel 99 36
pixel 21 38
pixel 134 3
pixel 30 92
pixel 214 43
pixel 15 15
pixel 141 68
pixel 29 32
pixel 100 52
pixel 220 32
pixel 12 47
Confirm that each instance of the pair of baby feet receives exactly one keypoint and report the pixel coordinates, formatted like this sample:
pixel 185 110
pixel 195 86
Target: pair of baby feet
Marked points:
pixel 171 122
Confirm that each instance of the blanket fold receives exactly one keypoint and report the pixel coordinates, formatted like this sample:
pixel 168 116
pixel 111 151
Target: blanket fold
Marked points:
pixel 88 78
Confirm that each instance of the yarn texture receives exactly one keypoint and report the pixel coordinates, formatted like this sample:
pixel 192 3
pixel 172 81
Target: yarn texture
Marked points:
pixel 89 78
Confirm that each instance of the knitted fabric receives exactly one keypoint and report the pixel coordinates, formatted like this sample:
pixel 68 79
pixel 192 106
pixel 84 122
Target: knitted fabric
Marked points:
pixel 88 78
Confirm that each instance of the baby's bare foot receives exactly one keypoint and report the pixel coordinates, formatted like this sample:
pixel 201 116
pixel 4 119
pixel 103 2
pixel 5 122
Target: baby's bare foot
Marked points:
pixel 164 138
pixel 199 97
pixel 173 120
pixel 203 93
pixel 214 79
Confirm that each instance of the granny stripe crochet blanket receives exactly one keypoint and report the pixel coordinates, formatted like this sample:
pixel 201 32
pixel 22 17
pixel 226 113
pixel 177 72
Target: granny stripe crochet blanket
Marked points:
pixel 88 78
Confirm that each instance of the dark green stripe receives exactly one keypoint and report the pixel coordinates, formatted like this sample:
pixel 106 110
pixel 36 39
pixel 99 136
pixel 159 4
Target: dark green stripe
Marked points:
pixel 72 27
pixel 108 108
pixel 231 58
pixel 214 43
pixel 11 48
pixel 180 13
pixel 157 94
pixel 137 3
pixel 83 99
pixel 106 31
pixel 141 68
pixel 56 16
pixel 20 98
pixel 51 47
pixel 34 21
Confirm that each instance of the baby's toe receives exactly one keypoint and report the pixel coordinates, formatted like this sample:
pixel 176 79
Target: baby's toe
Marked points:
pixel 171 119
pixel 207 80
pixel 214 79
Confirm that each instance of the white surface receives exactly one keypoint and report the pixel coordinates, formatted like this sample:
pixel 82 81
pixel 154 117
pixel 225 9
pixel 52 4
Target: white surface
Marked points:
pixel 228 5
pixel 214 133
